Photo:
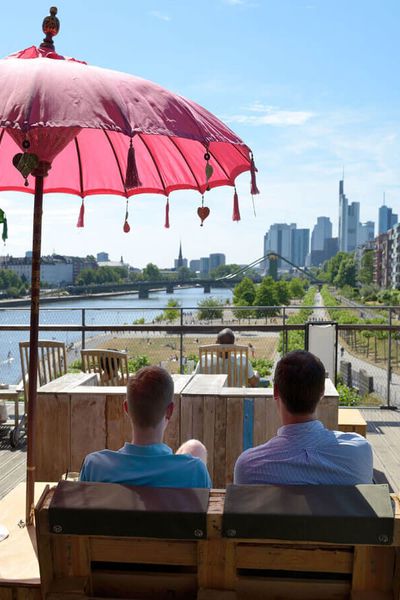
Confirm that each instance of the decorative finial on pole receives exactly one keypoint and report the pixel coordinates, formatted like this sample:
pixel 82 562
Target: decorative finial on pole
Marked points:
pixel 50 26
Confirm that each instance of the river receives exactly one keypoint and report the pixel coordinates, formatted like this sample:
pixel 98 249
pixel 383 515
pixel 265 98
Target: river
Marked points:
pixel 110 310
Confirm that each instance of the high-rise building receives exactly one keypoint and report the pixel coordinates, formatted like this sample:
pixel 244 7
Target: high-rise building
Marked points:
pixel 102 257
pixel 300 244
pixel 194 265
pixel 349 219
pixel 387 219
pixel 216 260
pixel 366 232
pixel 279 239
pixel 204 265
pixel 321 232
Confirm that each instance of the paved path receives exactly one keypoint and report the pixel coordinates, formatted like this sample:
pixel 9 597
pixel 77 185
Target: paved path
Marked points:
pixel 379 373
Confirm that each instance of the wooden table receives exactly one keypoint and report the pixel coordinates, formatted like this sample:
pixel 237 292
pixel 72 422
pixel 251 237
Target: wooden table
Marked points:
pixel 13 393
pixel 230 420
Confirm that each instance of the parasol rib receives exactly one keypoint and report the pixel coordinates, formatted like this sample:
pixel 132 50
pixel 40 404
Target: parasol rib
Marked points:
pixel 218 163
pixel 154 162
pixel 78 153
pixel 186 161
pixel 117 162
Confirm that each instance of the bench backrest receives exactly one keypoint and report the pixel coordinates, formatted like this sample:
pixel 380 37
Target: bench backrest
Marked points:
pixel 228 359
pixel 110 365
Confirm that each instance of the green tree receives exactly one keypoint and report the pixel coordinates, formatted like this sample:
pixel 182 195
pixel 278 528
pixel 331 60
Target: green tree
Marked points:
pixel 224 270
pixel 347 272
pixel 151 272
pixel 296 287
pixel 210 308
pixel 184 274
pixel 282 292
pixel 266 295
pixel 171 313
pixel 244 292
pixel 366 273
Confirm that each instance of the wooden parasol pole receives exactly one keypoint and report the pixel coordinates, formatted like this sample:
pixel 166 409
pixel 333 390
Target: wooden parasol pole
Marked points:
pixel 39 173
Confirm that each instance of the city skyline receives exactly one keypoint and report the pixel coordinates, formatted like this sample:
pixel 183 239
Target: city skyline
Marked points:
pixel 303 86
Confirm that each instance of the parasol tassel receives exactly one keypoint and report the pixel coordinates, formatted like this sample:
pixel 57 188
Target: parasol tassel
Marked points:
pixel 254 189
pixel 126 228
pixel 166 224
pixel 3 219
pixel 236 212
pixel 81 218
pixel 132 177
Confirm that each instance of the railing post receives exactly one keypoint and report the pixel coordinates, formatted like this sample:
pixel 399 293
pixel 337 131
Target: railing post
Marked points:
pixel 284 333
pixel 389 364
pixel 83 330
pixel 181 344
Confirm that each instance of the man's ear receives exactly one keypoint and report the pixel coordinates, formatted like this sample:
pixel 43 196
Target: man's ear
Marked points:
pixel 169 411
pixel 126 406
pixel 276 393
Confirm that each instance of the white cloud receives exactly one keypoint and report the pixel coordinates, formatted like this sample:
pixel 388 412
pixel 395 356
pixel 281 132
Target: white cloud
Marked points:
pixel 161 16
pixel 269 115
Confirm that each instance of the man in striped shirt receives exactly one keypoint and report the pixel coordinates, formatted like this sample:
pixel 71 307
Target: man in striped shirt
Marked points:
pixel 304 451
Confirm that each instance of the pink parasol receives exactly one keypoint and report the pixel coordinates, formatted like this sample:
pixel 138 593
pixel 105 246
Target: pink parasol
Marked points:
pixel 73 128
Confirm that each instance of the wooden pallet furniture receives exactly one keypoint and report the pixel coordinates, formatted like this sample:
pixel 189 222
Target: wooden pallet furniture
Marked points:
pixel 220 564
pixel 351 419
pixel 229 359
pixel 229 420
pixel 80 417
pixel 110 365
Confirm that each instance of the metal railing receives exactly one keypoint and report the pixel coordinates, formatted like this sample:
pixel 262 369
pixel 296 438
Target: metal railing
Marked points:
pixel 268 331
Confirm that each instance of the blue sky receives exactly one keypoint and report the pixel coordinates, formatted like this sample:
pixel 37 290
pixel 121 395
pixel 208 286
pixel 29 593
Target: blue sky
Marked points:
pixel 310 85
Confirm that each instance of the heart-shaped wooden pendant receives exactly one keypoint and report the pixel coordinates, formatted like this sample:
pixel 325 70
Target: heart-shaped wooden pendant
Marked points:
pixel 25 163
pixel 203 212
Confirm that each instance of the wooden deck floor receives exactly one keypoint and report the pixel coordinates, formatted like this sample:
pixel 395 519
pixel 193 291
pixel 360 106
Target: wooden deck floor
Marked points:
pixel 383 432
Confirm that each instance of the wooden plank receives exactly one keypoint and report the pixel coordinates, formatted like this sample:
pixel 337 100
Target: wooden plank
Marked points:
pixel 205 385
pixel 220 441
pixel 172 435
pixel 351 420
pixel 216 564
pixel 197 418
pixel 273 419
pixel 260 588
pixel 53 418
pixel 373 568
pixel 88 427
pixel 234 435
pixel 180 382
pixel 260 421
pixel 140 585
pixel 209 429
pixel 281 558
pixel 327 411
pixel 186 419
pixel 118 426
pixel 133 550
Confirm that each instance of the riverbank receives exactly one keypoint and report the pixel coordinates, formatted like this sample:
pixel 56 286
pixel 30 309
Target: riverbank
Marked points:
pixel 16 302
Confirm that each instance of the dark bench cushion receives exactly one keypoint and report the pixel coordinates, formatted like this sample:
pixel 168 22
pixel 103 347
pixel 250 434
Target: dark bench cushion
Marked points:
pixel 121 510
pixel 361 514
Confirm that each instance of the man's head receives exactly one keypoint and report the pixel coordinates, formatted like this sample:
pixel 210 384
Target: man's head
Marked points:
pixel 150 394
pixel 299 382
pixel 226 336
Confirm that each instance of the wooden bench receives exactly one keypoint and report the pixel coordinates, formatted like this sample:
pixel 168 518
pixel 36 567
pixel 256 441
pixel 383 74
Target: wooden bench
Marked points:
pixel 351 419
pixel 219 565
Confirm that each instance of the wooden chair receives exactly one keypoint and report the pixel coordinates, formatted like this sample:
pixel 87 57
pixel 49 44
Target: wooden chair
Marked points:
pixel 52 363
pixel 110 365
pixel 229 359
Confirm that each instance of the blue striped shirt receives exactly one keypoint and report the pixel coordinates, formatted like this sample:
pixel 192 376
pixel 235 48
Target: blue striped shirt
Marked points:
pixel 307 453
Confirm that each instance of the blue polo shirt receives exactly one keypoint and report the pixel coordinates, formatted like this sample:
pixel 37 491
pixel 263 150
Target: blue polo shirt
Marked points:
pixel 154 465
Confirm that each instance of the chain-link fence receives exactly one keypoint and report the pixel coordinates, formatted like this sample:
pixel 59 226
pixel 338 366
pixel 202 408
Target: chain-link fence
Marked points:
pixel 171 336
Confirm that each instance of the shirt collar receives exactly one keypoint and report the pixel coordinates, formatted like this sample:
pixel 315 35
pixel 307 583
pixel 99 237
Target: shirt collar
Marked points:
pixel 149 450
pixel 298 428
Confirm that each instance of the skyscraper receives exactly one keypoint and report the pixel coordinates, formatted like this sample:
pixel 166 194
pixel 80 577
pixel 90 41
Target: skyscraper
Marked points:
pixel 279 240
pixel 387 219
pixel 300 245
pixel 349 221
pixel 321 232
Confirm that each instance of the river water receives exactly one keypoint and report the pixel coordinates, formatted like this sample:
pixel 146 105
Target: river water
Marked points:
pixel 107 310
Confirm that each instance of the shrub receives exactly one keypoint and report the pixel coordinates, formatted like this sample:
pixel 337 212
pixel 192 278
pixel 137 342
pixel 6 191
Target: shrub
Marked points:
pixel 136 363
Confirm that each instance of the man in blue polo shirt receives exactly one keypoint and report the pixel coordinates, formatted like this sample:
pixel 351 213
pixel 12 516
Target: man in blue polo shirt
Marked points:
pixel 304 451
pixel 146 460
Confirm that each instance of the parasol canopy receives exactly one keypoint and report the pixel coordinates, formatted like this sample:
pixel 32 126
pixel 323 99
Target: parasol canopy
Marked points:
pixel 72 128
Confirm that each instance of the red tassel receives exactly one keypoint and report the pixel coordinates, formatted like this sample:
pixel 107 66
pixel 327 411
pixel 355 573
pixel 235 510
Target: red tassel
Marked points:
pixel 166 224
pixel 254 189
pixel 81 218
pixel 236 212
pixel 126 228
pixel 132 177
